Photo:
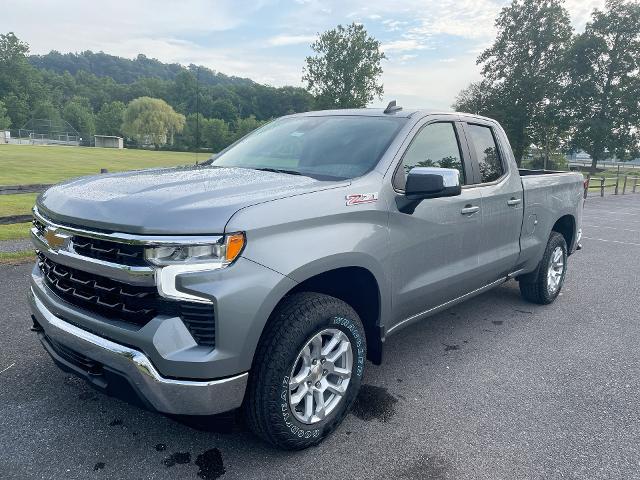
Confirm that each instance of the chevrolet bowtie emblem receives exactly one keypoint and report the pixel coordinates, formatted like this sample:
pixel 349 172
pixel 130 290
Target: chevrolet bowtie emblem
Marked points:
pixel 54 240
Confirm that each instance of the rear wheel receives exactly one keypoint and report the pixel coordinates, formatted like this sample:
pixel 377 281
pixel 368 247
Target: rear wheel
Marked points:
pixel 543 286
pixel 307 371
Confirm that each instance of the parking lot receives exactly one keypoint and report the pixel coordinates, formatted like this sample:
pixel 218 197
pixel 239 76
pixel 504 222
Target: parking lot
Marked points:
pixel 495 388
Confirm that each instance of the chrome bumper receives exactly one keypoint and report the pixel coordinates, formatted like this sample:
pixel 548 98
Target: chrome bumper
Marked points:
pixel 167 395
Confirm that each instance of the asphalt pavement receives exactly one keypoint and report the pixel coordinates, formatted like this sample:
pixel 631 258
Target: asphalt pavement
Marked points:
pixel 495 388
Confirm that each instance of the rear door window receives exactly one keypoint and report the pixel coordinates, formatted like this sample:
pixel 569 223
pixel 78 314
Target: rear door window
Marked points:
pixel 483 143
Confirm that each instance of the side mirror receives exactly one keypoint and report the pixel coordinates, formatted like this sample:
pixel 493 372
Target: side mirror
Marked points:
pixel 429 182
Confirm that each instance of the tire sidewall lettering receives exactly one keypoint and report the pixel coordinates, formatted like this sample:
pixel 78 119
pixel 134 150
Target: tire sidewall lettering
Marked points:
pixel 359 348
pixel 289 421
pixel 358 342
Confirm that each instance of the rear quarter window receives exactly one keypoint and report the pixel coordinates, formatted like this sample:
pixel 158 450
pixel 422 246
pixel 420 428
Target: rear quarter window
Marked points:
pixel 483 143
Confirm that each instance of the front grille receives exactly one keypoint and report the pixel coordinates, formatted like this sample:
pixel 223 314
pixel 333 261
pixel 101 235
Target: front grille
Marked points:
pixel 113 299
pixel 115 252
pixel 130 303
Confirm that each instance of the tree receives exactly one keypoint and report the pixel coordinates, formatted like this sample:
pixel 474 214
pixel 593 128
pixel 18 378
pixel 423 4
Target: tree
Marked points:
pixel 193 134
pixel 525 67
pixel 20 84
pixel 245 126
pixel 605 83
pixel 5 121
pixel 109 119
pixel 216 133
pixel 45 109
pixel 79 114
pixel 478 97
pixel 152 121
pixel 223 108
pixel 346 71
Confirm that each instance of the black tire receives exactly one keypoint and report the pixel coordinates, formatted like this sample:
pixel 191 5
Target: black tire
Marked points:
pixel 296 320
pixel 534 287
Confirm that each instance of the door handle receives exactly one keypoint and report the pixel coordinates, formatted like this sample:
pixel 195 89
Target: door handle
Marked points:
pixel 514 201
pixel 469 210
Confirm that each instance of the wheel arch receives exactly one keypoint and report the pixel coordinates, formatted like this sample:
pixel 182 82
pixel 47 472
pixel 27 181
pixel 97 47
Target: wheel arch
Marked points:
pixel 566 226
pixel 355 284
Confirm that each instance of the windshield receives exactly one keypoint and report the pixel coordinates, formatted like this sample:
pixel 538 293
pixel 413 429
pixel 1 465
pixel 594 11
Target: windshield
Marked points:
pixel 331 147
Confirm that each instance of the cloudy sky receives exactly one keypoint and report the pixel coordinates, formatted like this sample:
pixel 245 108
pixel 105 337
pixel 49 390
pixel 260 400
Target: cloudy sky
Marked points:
pixel 431 45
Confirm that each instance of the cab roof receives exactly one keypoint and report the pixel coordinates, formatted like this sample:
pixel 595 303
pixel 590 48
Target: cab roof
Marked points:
pixel 380 112
pixel 362 112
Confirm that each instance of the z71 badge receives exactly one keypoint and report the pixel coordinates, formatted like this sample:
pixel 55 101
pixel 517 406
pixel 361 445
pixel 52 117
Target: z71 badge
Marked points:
pixel 358 198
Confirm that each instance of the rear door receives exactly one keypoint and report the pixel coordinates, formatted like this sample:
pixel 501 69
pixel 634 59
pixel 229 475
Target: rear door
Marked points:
pixel 434 242
pixel 502 200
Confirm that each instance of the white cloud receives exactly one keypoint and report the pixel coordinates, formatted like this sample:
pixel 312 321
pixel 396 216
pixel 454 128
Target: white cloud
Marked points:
pixel 405 58
pixel 472 19
pixel 393 25
pixel 78 25
pixel 580 11
pixel 407 45
pixel 434 85
pixel 281 40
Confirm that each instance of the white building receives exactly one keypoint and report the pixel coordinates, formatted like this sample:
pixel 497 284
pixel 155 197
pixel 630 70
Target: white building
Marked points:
pixel 108 141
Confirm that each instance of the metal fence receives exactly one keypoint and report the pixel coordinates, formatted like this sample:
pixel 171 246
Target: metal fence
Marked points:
pixel 43 131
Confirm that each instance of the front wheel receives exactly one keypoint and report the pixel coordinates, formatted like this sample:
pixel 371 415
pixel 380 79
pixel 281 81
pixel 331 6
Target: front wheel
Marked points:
pixel 307 371
pixel 544 285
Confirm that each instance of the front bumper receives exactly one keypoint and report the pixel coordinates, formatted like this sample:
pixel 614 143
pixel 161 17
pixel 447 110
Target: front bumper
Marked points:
pixel 102 361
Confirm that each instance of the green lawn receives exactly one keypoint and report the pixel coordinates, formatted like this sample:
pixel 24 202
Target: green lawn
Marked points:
pixel 16 204
pixel 29 164
pixel 15 231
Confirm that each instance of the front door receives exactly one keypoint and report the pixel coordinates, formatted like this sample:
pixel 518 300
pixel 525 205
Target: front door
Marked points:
pixel 434 243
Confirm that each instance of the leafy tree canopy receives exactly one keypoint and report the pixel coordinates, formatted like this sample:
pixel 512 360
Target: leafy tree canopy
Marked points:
pixel 79 114
pixel 555 90
pixel 524 68
pixel 605 82
pixel 152 121
pixel 5 121
pixel 109 119
pixel 346 70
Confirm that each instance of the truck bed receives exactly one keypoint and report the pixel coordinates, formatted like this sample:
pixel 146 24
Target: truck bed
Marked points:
pixel 525 172
pixel 548 196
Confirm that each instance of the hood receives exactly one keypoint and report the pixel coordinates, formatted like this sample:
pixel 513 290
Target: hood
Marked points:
pixel 182 200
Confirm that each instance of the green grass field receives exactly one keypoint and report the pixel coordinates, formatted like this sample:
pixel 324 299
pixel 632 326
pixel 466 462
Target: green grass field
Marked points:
pixel 16 204
pixel 27 164
pixel 15 231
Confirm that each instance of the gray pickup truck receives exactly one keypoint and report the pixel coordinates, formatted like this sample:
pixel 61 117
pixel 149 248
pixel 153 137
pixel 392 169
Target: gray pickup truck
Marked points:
pixel 267 276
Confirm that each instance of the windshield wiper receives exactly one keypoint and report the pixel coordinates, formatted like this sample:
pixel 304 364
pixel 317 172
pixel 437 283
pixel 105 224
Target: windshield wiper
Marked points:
pixel 280 170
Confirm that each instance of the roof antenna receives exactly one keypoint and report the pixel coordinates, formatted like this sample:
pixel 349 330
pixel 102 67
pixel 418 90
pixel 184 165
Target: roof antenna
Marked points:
pixel 392 107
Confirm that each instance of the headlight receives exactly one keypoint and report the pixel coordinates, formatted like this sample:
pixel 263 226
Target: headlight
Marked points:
pixel 180 259
pixel 221 254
